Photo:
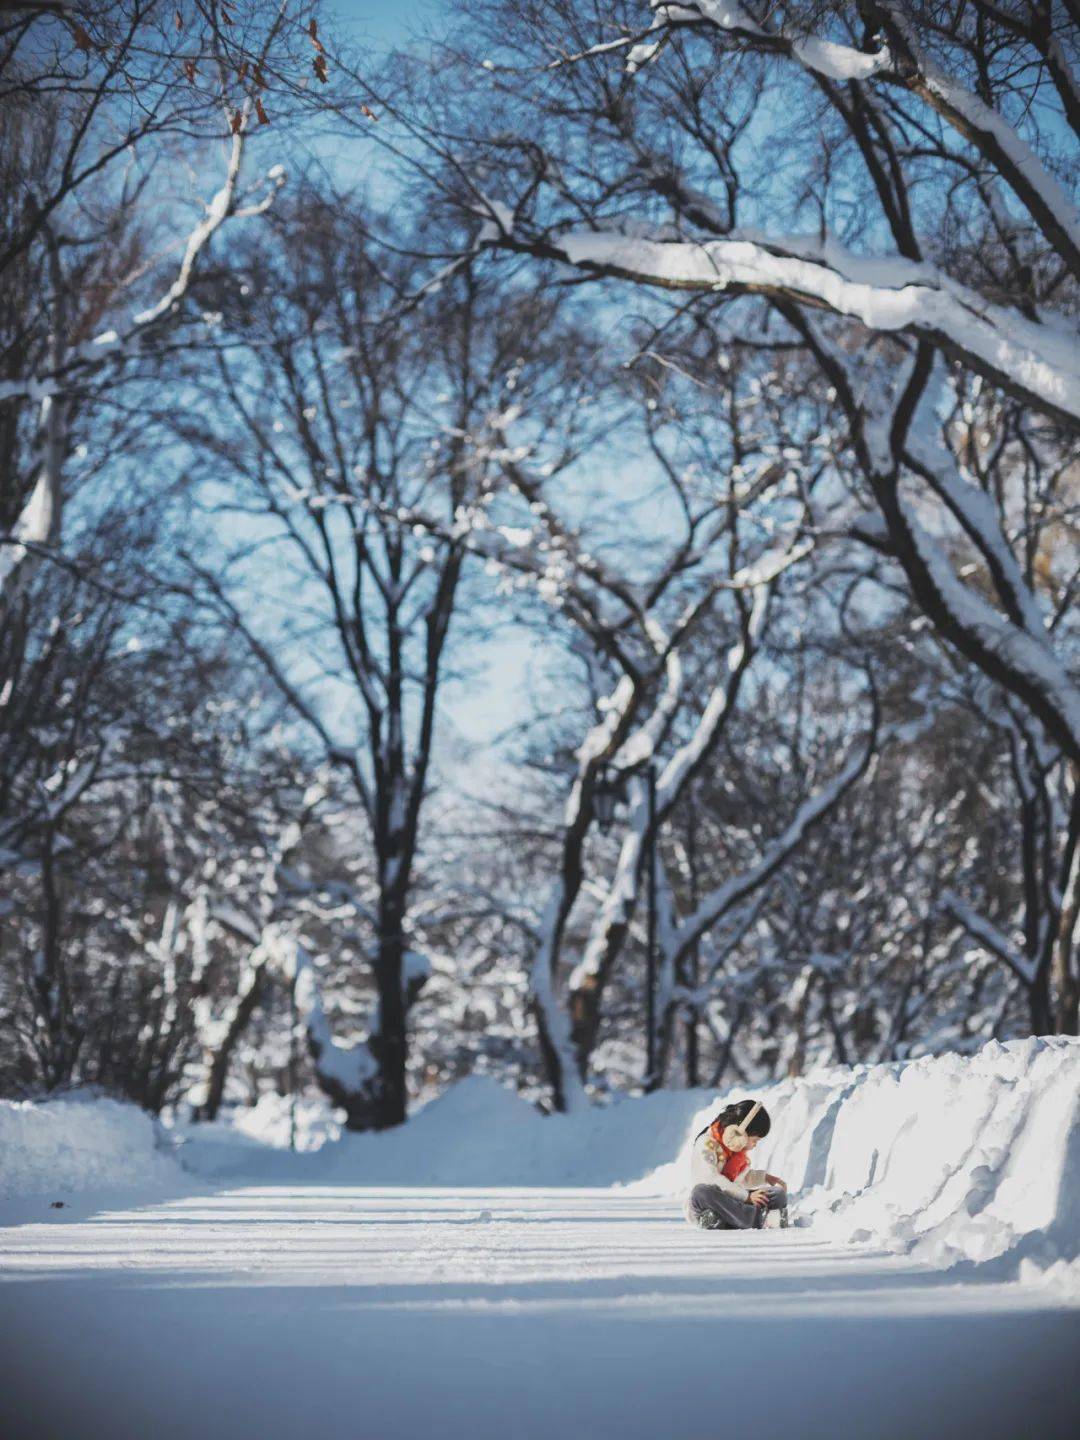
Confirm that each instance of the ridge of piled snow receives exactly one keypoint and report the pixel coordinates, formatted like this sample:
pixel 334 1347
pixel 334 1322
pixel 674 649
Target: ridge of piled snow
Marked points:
pixel 953 1159
pixel 250 1130
pixel 79 1143
pixel 950 1159
pixel 477 1133
pixel 970 1161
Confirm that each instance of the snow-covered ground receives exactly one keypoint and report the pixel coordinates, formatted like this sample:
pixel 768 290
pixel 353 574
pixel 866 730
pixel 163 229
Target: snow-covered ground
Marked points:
pixel 371 1312
pixel 490 1272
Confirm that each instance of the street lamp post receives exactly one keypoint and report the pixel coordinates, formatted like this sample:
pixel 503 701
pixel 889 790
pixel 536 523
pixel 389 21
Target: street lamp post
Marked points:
pixel 608 793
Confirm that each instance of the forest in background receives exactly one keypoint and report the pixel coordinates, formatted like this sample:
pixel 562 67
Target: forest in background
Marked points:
pixel 722 361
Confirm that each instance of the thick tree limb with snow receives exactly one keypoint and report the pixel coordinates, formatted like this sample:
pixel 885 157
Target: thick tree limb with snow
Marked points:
pixel 73 362
pixel 1037 361
pixel 611 926
pixel 989 936
pixel 69 365
pixel 900 60
pixel 734 892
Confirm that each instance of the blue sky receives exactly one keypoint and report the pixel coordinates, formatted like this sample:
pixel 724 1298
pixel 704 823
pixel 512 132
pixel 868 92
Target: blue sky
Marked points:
pixel 386 22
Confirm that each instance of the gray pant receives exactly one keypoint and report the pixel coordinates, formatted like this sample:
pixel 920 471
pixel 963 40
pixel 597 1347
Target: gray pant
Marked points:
pixel 714 1209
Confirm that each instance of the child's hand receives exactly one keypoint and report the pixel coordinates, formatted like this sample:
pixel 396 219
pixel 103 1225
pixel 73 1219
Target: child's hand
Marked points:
pixel 759 1197
pixel 775 1180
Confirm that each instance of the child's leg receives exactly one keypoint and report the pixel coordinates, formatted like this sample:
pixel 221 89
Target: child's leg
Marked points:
pixel 714 1209
pixel 778 1202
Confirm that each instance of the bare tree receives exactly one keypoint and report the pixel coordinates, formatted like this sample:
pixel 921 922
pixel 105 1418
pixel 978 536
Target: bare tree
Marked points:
pixel 337 419
pixel 740 496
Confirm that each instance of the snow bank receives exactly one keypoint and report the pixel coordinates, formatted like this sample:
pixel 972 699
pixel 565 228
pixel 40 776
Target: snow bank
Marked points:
pixel 80 1143
pixel 477 1134
pixel 953 1160
pixel 244 1133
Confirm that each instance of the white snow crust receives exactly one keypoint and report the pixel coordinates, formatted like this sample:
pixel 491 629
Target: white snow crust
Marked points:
pixel 948 1159
pixel 79 1143
pixel 970 1160
pixel 489 1271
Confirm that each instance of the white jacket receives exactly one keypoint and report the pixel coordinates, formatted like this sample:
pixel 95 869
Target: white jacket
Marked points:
pixel 704 1170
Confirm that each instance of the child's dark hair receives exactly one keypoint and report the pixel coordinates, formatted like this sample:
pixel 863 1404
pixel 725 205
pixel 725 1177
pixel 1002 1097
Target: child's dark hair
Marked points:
pixel 735 1114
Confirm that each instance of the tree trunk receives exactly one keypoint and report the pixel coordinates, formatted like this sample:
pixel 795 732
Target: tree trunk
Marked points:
pixel 389 1042
pixel 1068 998
pixel 47 981
pixel 693 1076
pixel 1039 1004
pixel 382 1101
pixel 1065 962
pixel 218 1073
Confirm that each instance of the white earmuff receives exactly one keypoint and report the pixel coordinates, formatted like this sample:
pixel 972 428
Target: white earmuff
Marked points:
pixel 735 1136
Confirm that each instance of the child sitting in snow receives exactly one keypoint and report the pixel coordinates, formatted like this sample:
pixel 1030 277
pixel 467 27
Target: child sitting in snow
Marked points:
pixel 726 1193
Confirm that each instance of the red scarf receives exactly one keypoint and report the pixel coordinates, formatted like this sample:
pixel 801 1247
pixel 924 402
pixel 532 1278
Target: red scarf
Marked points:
pixel 737 1160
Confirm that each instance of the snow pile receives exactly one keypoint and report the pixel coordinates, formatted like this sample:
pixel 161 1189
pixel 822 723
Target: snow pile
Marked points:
pixel 477 1134
pixel 954 1160
pixel 950 1159
pixel 79 1143
pixel 270 1121
pixel 243 1133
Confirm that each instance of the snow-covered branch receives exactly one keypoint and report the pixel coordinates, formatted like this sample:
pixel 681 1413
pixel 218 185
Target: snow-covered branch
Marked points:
pixel 114 343
pixel 1038 361
pixel 343 1070
pixel 613 918
pixel 899 60
pixel 988 936
pixel 734 892
pixel 1012 654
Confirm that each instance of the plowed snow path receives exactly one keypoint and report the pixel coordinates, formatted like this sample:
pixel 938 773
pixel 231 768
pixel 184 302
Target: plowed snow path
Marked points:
pixel 328 1312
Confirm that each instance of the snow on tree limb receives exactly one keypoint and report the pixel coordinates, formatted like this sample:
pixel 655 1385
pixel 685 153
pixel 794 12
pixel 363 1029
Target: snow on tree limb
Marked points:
pixel 40 516
pixel 889 425
pixel 39 521
pixel 1023 661
pixel 823 57
pixel 926 454
pixel 343 1070
pixel 901 61
pixel 1038 361
pixel 988 936
pixel 112 344
pixel 735 890
pixel 622 893
pixel 1052 209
